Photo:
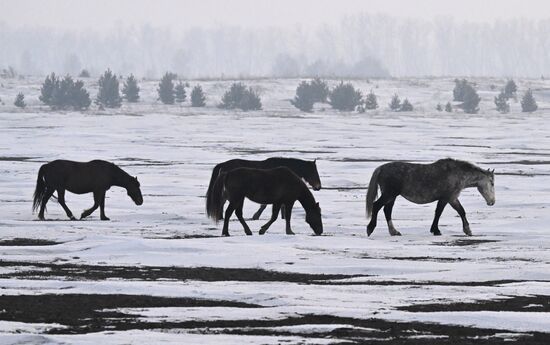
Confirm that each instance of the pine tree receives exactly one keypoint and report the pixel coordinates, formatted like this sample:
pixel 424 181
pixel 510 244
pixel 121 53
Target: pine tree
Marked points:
pixel 460 89
pixel 439 107
pixel 501 102
pixel 304 98
pixel 20 100
pixel 130 89
pixel 79 97
pixel 197 97
pixel 528 102
pixel 180 92
pixel 470 100
pixel 84 74
pixel 319 90
pixel 510 89
pixel 46 92
pixel 448 107
pixel 108 94
pixel 406 106
pixel 371 101
pixel 166 88
pixel 239 97
pixel 395 103
pixel 345 97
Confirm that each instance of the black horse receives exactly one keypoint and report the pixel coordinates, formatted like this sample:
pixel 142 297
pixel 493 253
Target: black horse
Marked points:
pixel 95 177
pixel 279 186
pixel 304 169
pixel 424 183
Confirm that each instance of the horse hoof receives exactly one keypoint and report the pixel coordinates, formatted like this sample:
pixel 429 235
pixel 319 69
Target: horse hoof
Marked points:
pixel 72 218
pixel 105 218
pixel 290 233
pixel 436 233
pixel 369 231
pixel 226 234
pixel 397 233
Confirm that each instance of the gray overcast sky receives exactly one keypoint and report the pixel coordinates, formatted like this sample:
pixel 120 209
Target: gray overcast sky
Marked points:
pixel 182 14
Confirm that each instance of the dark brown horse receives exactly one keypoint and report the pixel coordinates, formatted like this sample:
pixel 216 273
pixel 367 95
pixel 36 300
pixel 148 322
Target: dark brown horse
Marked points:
pixel 279 186
pixel 304 169
pixel 95 177
pixel 441 181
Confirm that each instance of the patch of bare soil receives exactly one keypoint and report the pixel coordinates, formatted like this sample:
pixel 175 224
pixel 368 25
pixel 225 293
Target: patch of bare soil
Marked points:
pixel 534 303
pixel 27 242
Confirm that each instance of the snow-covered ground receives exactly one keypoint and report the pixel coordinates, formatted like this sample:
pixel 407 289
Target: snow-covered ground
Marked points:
pixel 498 279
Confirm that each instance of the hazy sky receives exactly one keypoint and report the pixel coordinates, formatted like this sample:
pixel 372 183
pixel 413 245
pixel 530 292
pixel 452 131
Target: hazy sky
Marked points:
pixel 182 14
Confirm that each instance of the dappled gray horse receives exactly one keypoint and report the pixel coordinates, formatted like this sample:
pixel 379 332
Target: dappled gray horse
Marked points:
pixel 441 181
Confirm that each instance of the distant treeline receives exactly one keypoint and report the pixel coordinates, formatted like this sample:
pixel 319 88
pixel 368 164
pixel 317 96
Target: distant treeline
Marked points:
pixel 361 46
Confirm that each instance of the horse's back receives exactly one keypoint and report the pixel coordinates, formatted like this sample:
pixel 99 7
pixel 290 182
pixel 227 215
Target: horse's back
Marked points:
pixel 276 183
pixel 78 177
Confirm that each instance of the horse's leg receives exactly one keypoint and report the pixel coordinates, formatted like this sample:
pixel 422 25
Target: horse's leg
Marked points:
pixel 387 211
pixel 91 210
pixel 258 213
pixel 239 213
pixel 378 204
pixel 61 200
pixel 457 206
pixel 274 214
pixel 438 210
pixel 283 211
pixel 47 195
pixel 228 213
pixel 102 215
pixel 288 214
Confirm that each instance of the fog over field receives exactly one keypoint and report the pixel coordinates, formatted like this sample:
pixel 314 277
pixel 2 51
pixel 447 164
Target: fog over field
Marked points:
pixel 259 39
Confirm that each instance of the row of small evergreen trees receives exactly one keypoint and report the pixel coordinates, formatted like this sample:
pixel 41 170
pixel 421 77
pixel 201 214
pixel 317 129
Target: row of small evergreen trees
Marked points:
pixel 64 93
pixel 343 97
pixel 466 93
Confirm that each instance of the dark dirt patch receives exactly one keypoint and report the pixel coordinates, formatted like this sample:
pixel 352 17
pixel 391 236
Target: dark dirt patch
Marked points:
pixel 91 272
pixel 426 258
pixel 16 159
pixel 520 162
pixel 534 303
pixel 182 237
pixel 90 313
pixel 82 313
pixel 28 242
pixel 464 242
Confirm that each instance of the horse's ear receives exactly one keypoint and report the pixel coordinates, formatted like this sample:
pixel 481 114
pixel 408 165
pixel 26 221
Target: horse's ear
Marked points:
pixel 317 204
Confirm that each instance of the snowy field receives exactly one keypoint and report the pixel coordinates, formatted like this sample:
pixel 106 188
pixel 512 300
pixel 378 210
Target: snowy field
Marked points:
pixel 161 273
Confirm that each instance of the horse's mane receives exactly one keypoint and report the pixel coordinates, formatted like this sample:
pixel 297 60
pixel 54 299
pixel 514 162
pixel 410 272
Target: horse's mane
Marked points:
pixel 464 165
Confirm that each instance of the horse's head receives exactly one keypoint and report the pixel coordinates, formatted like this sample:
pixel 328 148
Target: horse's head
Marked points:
pixel 133 191
pixel 486 186
pixel 313 218
pixel 312 177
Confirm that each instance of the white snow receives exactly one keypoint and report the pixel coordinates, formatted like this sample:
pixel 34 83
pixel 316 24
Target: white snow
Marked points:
pixel 172 150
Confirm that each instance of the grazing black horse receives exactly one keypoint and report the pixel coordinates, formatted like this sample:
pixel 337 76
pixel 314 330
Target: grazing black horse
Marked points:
pixel 279 186
pixel 304 169
pixel 95 177
pixel 441 181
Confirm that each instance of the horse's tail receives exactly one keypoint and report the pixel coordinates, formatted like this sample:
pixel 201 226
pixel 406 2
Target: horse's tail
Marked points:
pixel 215 199
pixel 372 191
pixel 215 174
pixel 40 190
